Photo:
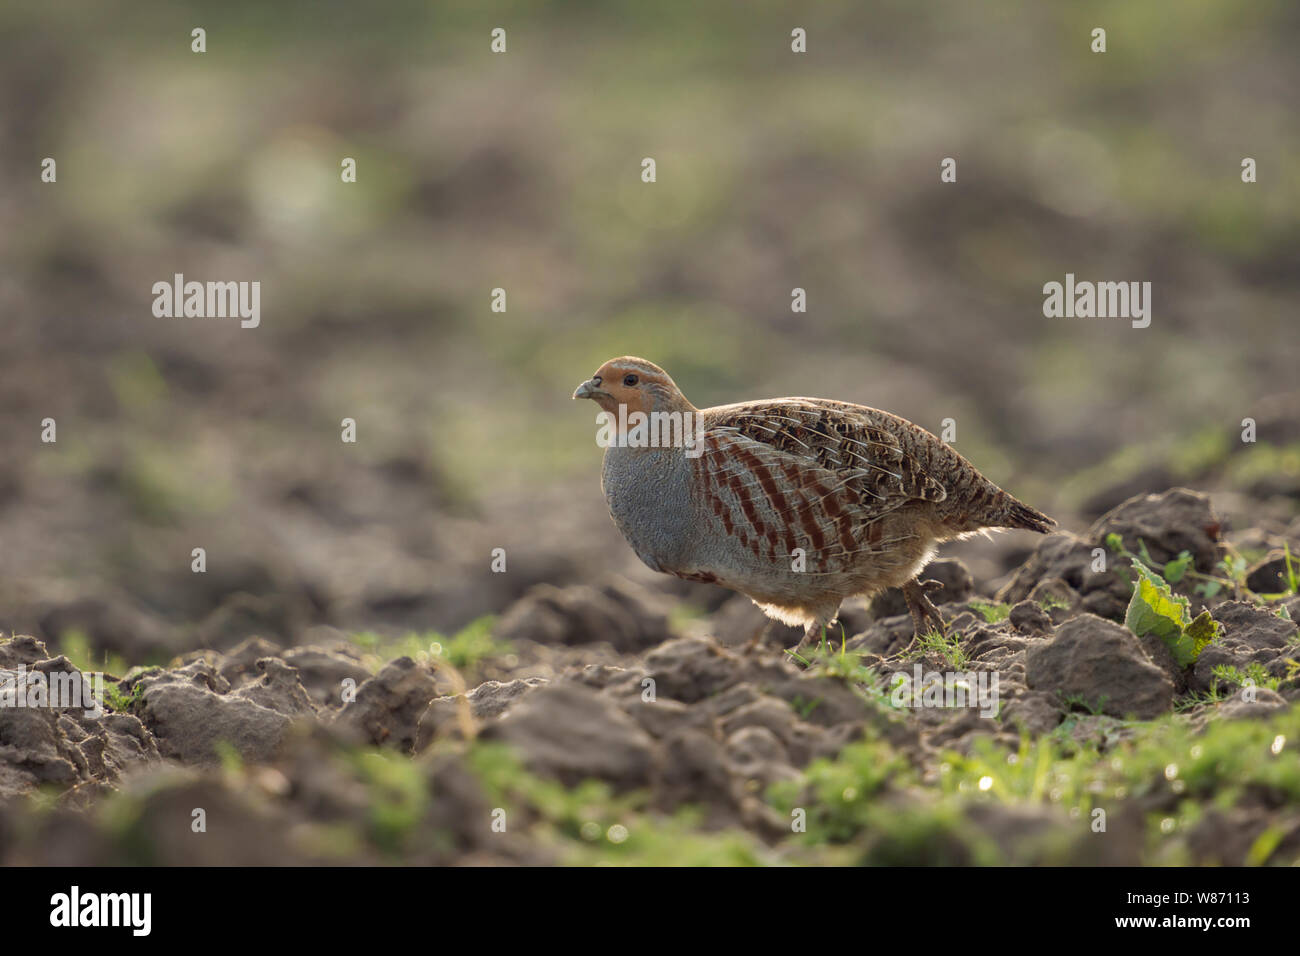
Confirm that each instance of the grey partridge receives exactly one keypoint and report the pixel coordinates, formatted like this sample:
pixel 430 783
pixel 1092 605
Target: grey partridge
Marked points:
pixel 797 503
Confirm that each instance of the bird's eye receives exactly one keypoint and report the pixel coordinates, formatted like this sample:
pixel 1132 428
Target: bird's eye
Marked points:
pixel 629 380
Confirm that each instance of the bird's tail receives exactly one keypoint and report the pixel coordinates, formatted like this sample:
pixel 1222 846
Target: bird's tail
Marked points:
pixel 1020 515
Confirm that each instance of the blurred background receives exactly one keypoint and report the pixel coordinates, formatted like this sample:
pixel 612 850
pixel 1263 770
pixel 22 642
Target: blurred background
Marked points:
pixel 522 171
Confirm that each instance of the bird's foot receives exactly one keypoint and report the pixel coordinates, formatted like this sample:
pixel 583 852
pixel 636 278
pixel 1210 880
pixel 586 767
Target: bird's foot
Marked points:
pixel 925 616
pixel 808 634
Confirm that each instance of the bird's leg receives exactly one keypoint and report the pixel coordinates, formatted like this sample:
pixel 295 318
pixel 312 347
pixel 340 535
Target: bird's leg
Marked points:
pixel 809 631
pixel 760 636
pixel 793 653
pixel 922 609
pixel 813 631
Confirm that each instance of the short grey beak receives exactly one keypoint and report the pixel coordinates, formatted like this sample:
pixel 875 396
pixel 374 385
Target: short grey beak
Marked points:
pixel 586 390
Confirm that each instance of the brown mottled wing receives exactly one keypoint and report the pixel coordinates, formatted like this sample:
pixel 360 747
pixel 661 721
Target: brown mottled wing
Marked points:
pixel 801 473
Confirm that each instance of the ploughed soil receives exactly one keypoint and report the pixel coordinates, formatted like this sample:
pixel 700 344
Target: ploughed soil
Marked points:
pixel 346 672
pixel 639 721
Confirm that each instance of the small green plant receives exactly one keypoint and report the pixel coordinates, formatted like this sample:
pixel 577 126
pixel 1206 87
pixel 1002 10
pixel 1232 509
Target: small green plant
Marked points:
pixel 469 648
pixel 1079 702
pixel 74 644
pixel 1033 772
pixel 946 647
pixel 1215 695
pixel 867 801
pixel 1290 577
pixel 1292 574
pixel 837 792
pixel 844 665
pixel 1254 673
pixel 836 661
pixel 1155 609
pixel 804 707
pixel 1176 569
pixel 119 702
pixel 378 649
pixel 683 614
pixel 472 645
pixel 589 824
pixel 1173 572
pixel 1234 576
pixel 1233 565
pixel 992 613
pixel 399 796
pixel 229 757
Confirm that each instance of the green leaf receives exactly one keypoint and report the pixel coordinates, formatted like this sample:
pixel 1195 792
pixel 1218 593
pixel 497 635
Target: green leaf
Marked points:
pixel 1176 568
pixel 1209 588
pixel 1195 636
pixel 1264 846
pixel 1155 609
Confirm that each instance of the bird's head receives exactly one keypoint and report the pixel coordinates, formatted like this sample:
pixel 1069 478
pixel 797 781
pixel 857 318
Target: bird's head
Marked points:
pixel 640 385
